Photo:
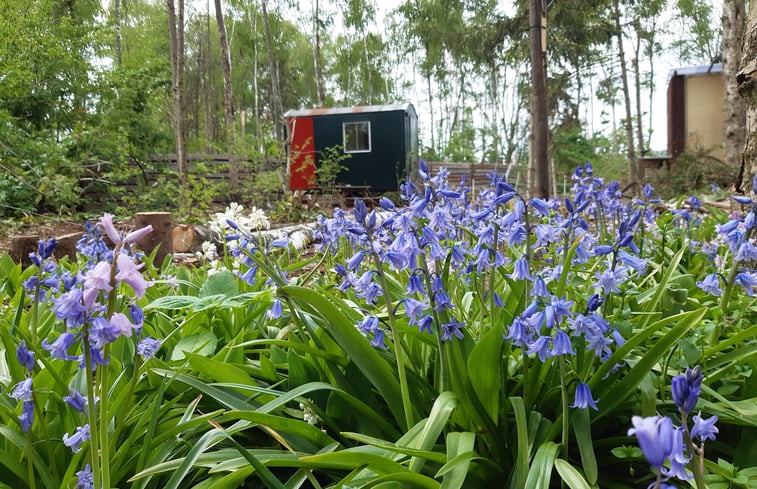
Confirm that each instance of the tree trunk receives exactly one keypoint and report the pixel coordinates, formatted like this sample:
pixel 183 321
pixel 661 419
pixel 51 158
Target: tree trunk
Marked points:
pixel 176 37
pixel 276 103
pixel 747 83
pixel 228 101
pixel 117 20
pixel 317 56
pixel 734 112
pixel 637 92
pixel 539 183
pixel 633 169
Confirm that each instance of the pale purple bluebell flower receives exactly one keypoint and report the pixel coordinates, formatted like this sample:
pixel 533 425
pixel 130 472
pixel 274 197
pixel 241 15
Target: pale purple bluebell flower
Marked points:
pixel 23 390
pixel 80 436
pixel 70 307
pixel 148 347
pixel 85 478
pixel 128 272
pixel 656 436
pixel 96 279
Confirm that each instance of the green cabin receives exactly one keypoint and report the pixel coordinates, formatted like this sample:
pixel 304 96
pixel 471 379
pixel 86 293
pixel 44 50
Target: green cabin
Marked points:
pixel 381 141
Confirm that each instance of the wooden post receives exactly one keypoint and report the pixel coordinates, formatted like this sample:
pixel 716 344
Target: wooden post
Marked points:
pixel 161 235
pixel 539 185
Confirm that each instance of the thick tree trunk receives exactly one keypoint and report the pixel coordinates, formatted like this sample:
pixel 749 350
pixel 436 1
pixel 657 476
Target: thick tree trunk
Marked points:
pixel 633 169
pixel 747 83
pixel 176 37
pixel 278 109
pixel 734 112
pixel 228 100
pixel 539 183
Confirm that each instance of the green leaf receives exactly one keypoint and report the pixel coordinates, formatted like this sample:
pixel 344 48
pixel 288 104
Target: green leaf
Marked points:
pixel 408 480
pixel 459 454
pixel 433 426
pixel 616 392
pixel 200 344
pixel 484 370
pixel 222 283
pixel 582 429
pixel 436 457
pixel 521 462
pixel 570 475
pixel 173 302
pixel 219 371
pixel 541 468
pixel 375 367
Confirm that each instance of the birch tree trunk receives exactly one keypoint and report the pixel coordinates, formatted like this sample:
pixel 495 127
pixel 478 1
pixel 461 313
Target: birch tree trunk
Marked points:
pixel 747 83
pixel 277 106
pixel 228 100
pixel 633 169
pixel 176 37
pixel 117 19
pixel 734 112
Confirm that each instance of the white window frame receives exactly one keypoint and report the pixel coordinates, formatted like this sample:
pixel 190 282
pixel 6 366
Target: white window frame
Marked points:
pixel 344 137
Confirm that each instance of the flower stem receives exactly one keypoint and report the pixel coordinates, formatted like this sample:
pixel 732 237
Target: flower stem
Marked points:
pixel 30 461
pixel 693 465
pixel 565 409
pixel 399 353
pixel 91 412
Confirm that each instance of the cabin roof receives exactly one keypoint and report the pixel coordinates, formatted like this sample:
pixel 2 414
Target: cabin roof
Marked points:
pixel 696 70
pixel 349 110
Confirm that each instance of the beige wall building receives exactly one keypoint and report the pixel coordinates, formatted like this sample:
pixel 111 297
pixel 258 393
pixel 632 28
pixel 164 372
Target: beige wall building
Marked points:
pixel 695 110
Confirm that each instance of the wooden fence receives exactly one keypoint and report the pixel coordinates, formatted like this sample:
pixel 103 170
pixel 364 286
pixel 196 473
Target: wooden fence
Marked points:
pixel 476 174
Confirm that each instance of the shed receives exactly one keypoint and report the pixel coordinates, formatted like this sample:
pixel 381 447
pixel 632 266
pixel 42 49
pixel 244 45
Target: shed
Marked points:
pixel 380 140
pixel 695 110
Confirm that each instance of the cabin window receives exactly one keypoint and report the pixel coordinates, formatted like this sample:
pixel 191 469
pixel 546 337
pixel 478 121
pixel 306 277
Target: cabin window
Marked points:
pixel 357 137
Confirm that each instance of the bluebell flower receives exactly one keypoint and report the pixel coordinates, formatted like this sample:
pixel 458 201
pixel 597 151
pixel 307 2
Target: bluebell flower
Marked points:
pixel 677 457
pixel 520 270
pixel 747 280
pixel 85 478
pixel 415 284
pixel 378 339
pixel 539 288
pixel 452 329
pixel 25 356
pixel 103 332
pixel 137 315
pixel 542 206
pixel 80 436
pixel 386 204
pixel 414 308
pixel 70 308
pixel 710 284
pixel 601 250
pixel 704 429
pixel 656 436
pixel 282 242
pixel 59 348
pixel 354 262
pixel 541 347
pixel 594 302
pixel 44 251
pixel 276 310
pixel 609 280
pixel 27 415
pixel 23 390
pixel 562 345
pixel 583 398
pixel 638 264
pixel 686 388
pixel 148 347
pixel 76 400
pixel 517 333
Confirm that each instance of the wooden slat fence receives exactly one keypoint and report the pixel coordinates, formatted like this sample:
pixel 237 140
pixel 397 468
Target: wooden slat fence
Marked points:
pixel 476 173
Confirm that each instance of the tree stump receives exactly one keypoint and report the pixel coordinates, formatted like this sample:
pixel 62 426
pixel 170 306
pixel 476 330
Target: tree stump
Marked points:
pixel 67 245
pixel 160 237
pixel 188 238
pixel 20 248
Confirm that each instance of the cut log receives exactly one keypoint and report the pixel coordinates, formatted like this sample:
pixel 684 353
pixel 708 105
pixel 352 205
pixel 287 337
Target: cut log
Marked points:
pixel 160 237
pixel 21 246
pixel 188 238
pixel 67 245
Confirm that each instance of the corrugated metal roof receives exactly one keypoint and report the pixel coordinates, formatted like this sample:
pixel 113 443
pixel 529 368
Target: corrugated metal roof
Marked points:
pixel 349 110
pixel 696 70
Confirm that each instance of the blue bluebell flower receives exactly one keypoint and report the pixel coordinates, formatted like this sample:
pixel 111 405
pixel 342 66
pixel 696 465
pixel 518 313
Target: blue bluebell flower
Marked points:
pixel 26 418
pixel 686 388
pixel 520 270
pixel 710 284
pixel 704 429
pixel 276 310
pixel 583 398
pixel 23 390
pixel 452 329
pixel 59 348
pixel 70 307
pixel 677 457
pixel 562 345
pixel 541 347
pixel 76 400
pixel 25 356
pixel 747 280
